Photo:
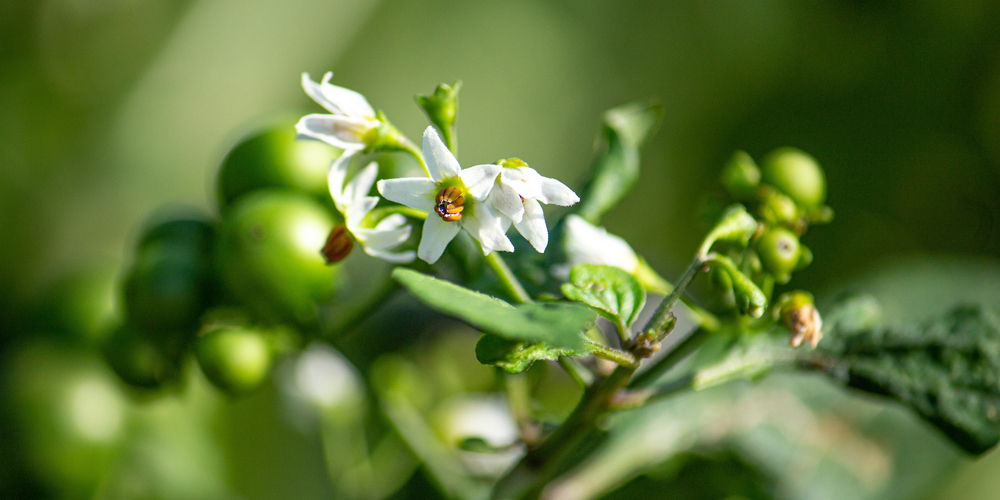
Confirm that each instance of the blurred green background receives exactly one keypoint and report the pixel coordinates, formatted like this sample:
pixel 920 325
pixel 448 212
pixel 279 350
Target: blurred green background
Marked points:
pixel 110 109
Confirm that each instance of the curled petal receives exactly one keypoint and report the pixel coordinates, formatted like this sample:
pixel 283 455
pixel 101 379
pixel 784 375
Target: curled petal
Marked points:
pixel 341 131
pixel 357 211
pixel 557 193
pixel 415 192
pixel 435 238
pixel 393 221
pixel 505 200
pixel 487 227
pixel 532 226
pixel 337 100
pixel 335 179
pixel 362 183
pixel 479 179
pixel 382 240
pixel 441 164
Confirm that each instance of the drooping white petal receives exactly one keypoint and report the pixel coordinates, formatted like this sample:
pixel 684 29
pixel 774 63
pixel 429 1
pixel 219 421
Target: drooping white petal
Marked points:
pixel 532 226
pixel 394 257
pixel 393 221
pixel 557 193
pixel 382 240
pixel 587 244
pixel 335 179
pixel 479 179
pixel 341 131
pixel 314 90
pixel 415 192
pixel 348 101
pixel 357 211
pixel 435 238
pixel 362 183
pixel 525 180
pixel 486 226
pixel 505 200
pixel 441 164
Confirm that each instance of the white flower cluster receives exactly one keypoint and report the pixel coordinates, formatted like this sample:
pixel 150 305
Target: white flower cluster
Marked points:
pixel 484 199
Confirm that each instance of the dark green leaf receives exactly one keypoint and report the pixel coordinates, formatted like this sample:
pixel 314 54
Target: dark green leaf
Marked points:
pixel 516 357
pixel 612 292
pixel 557 324
pixel 616 167
pixel 947 369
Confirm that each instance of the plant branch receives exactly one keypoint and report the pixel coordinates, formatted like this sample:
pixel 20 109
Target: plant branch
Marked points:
pixel 669 359
pixel 611 354
pixel 579 373
pixel 507 279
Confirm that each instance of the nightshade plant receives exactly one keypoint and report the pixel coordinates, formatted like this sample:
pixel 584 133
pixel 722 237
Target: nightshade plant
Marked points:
pixel 241 291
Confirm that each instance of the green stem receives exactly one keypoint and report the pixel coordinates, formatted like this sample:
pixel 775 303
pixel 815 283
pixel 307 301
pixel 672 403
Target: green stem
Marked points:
pixel 519 399
pixel 604 352
pixel 669 359
pixel 579 373
pixel 507 279
pixel 660 317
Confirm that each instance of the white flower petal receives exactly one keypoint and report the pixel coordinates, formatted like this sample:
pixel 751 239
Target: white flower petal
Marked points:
pixel 347 101
pixel 487 227
pixel 505 200
pixel 394 257
pixel 391 222
pixel 435 238
pixel 532 226
pixel 315 91
pixel 415 192
pixel 480 179
pixel 525 180
pixel 557 193
pixel 382 240
pixel 335 179
pixel 341 131
pixel 587 244
pixel 362 183
pixel 441 164
pixel 357 211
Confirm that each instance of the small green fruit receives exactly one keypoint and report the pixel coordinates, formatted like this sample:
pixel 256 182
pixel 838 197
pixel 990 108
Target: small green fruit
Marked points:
pixel 268 255
pixel 779 252
pixel 234 359
pixel 777 209
pixel 275 158
pixel 796 174
pixel 741 176
pixel 143 360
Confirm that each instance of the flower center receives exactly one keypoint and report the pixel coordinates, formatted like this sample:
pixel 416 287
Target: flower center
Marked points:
pixel 450 203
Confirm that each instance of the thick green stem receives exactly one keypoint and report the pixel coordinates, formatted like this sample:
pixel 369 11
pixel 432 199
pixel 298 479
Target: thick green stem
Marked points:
pixel 604 352
pixel 507 279
pixel 662 314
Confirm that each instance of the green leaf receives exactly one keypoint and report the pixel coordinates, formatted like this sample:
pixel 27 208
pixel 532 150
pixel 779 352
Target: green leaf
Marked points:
pixel 612 292
pixel 749 298
pixel 557 324
pixel 516 357
pixel 743 356
pixel 736 225
pixel 946 369
pixel 616 167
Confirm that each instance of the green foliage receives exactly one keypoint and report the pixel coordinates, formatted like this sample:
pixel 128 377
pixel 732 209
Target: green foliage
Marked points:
pixel 740 356
pixel 516 357
pixel 945 369
pixel 749 298
pixel 616 167
pixel 557 324
pixel 736 225
pixel 612 292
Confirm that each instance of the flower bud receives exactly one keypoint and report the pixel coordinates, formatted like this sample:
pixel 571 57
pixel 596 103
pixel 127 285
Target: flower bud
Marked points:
pixel 798 313
pixel 741 176
pixel 796 174
pixel 442 108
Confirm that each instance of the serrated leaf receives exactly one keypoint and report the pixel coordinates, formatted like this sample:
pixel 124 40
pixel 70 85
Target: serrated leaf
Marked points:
pixel 557 324
pixel 612 292
pixel 624 132
pixel 516 357
pixel 947 369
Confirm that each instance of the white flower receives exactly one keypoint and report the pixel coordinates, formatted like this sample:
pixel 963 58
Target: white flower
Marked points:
pixel 353 201
pixel 463 206
pixel 351 120
pixel 517 193
pixel 588 244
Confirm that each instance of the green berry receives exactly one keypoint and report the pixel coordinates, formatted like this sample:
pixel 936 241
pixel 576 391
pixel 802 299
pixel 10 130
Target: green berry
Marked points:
pixel 741 176
pixel 796 174
pixel 275 158
pixel 269 255
pixel 779 252
pixel 235 359
pixel 144 360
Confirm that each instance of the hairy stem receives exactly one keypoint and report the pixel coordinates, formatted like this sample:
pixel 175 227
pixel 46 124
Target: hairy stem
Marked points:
pixel 507 279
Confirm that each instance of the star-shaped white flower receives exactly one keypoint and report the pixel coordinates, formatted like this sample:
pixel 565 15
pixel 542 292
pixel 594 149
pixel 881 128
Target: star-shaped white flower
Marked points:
pixel 453 198
pixel 353 201
pixel 516 194
pixel 351 120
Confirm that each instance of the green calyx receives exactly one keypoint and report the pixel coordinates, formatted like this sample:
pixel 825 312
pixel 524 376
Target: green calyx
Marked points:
pixel 441 108
pixel 512 163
